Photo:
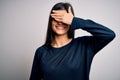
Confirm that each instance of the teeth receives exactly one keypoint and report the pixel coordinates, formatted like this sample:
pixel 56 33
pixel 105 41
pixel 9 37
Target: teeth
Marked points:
pixel 60 27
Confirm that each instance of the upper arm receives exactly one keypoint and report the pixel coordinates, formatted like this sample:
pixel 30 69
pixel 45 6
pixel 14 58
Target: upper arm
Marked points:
pixel 96 43
pixel 36 72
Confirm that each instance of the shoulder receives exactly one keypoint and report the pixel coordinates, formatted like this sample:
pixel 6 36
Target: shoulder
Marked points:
pixel 42 51
pixel 41 48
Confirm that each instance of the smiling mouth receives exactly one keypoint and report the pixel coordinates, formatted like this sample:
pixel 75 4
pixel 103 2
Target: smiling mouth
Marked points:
pixel 60 27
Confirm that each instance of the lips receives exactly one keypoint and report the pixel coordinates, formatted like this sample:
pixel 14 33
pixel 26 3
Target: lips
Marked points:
pixel 60 27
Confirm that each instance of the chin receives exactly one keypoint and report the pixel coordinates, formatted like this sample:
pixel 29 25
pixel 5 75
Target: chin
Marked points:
pixel 61 33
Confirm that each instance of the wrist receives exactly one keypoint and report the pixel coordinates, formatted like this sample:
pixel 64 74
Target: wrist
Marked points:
pixel 70 20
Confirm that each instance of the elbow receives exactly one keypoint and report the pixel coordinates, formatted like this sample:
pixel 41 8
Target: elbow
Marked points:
pixel 112 35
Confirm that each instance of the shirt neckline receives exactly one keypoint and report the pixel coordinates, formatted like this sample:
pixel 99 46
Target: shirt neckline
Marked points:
pixel 62 46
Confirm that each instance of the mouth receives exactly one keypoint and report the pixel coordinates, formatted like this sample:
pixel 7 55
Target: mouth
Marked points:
pixel 60 27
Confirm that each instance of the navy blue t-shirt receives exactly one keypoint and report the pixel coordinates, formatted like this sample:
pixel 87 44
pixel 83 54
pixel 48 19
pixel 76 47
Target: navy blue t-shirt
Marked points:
pixel 73 60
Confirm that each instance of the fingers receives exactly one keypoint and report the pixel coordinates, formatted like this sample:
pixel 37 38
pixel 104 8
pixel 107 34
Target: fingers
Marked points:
pixel 59 11
pixel 56 15
pixel 58 19
pixel 69 10
pixel 62 15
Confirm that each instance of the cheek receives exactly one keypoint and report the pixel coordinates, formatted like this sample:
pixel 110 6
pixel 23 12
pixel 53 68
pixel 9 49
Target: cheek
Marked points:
pixel 53 25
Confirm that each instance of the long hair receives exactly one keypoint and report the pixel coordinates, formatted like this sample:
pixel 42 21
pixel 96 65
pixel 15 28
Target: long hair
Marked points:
pixel 50 36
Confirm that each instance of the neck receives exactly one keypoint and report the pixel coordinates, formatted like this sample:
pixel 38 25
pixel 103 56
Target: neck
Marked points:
pixel 61 41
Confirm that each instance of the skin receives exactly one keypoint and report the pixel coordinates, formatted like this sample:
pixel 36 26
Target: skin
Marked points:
pixel 60 25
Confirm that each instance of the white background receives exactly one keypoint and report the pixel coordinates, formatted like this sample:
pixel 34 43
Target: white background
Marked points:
pixel 23 25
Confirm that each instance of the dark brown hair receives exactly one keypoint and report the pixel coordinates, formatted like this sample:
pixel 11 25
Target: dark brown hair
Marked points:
pixel 50 36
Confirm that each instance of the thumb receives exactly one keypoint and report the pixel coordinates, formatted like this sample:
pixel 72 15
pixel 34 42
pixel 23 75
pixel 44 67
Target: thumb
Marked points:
pixel 69 10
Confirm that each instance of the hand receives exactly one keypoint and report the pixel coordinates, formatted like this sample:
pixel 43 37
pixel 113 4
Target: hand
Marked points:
pixel 63 16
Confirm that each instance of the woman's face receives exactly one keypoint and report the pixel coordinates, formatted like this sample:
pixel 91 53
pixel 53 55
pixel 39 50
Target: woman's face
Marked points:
pixel 60 28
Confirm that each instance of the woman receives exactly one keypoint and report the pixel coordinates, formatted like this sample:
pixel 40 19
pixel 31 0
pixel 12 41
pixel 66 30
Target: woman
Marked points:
pixel 64 57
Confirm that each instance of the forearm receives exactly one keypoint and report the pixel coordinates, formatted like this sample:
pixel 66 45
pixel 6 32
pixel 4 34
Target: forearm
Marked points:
pixel 97 30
